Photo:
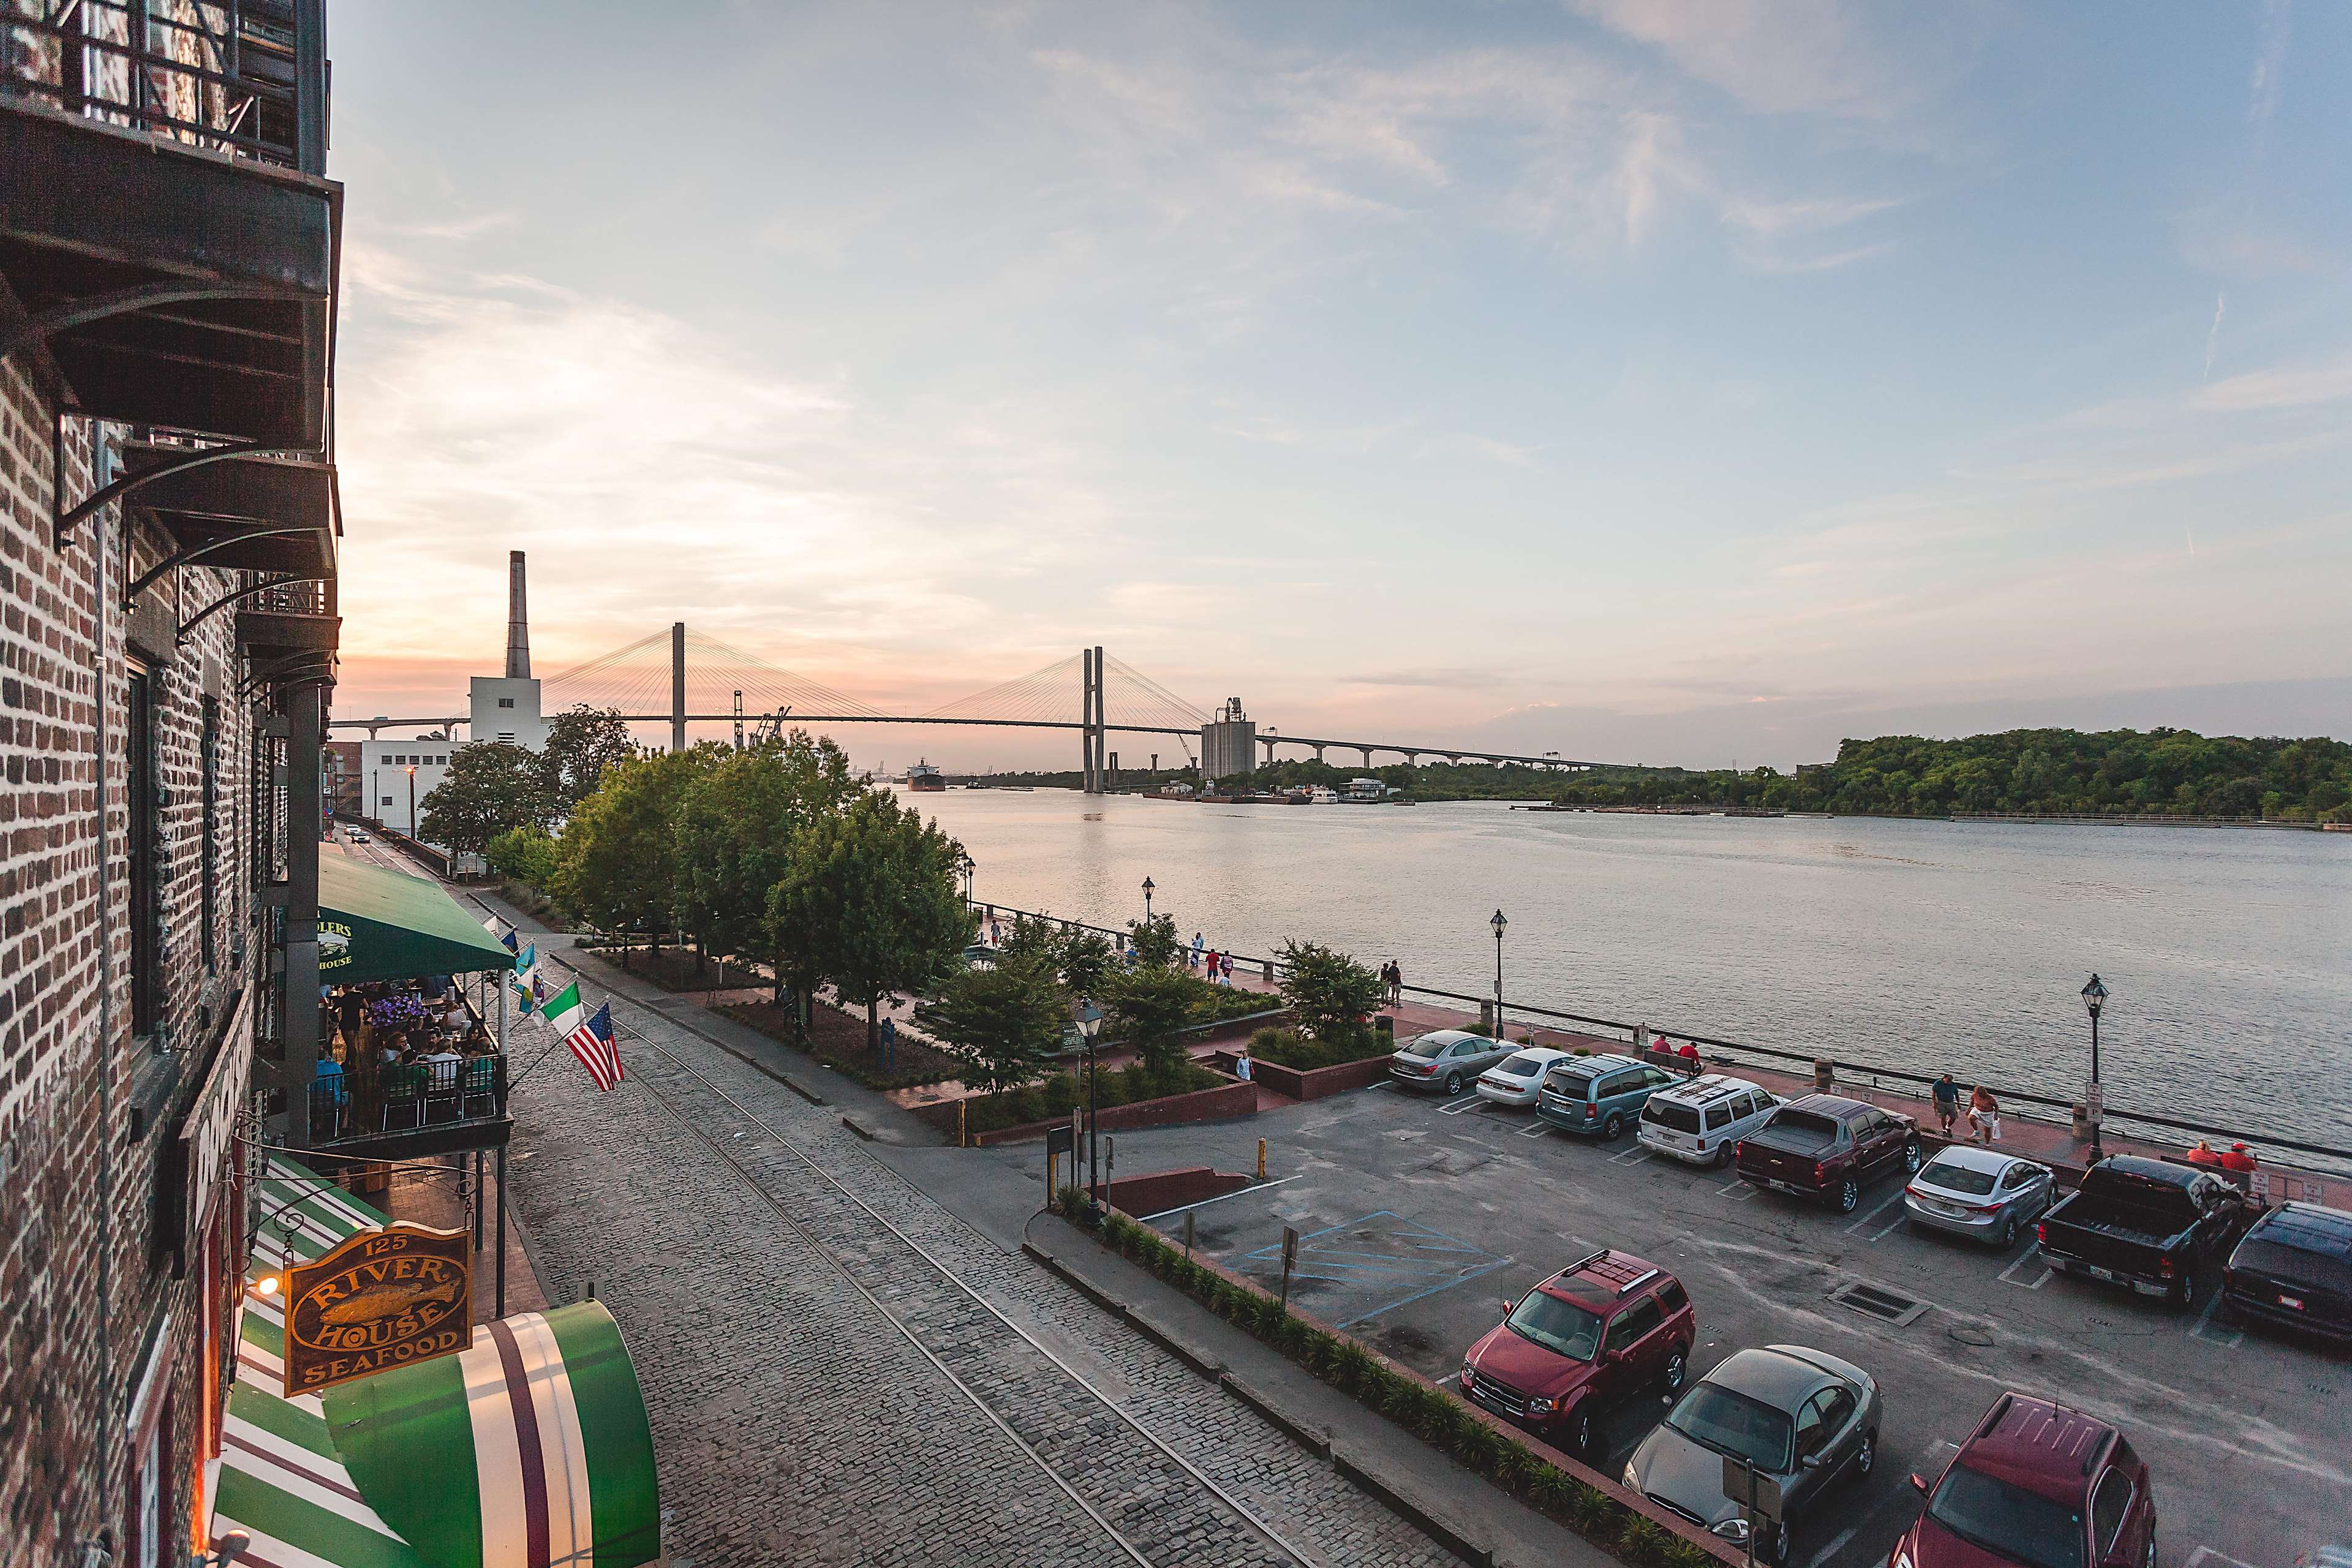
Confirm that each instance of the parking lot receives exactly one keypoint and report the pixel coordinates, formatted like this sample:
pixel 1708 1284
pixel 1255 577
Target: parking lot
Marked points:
pixel 1417 1215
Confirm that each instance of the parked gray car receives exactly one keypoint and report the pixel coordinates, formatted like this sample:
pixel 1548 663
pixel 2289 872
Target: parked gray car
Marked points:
pixel 1981 1194
pixel 1803 1417
pixel 1447 1059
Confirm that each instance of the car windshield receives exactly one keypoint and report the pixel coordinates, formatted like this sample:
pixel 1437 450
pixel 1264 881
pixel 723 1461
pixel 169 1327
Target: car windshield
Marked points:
pixel 1558 1326
pixel 1427 1046
pixel 1714 1417
pixel 2007 1522
pixel 1955 1177
pixel 1522 1066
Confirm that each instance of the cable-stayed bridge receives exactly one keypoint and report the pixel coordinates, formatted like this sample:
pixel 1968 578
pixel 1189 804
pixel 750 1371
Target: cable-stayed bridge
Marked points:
pixel 681 677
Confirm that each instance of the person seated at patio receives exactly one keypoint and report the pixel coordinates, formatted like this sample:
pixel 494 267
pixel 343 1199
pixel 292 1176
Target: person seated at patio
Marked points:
pixel 1688 1052
pixel 2204 1153
pixel 2238 1157
pixel 479 1042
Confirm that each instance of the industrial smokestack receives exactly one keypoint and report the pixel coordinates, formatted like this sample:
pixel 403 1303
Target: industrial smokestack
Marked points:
pixel 518 621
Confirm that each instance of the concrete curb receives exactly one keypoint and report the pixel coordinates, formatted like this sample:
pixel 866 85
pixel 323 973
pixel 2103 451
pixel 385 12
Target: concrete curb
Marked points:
pixel 853 1127
pixel 1413 1513
pixel 1214 1371
pixel 1313 1439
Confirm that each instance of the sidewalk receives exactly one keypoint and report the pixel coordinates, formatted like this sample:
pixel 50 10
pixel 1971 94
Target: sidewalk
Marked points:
pixel 1460 1511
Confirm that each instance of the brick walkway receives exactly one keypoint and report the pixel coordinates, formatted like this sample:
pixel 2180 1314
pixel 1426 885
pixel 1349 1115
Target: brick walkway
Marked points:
pixel 801 1361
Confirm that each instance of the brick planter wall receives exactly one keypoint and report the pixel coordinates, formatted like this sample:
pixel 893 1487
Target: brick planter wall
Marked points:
pixel 1313 1083
pixel 1222 1103
pixel 1164 1190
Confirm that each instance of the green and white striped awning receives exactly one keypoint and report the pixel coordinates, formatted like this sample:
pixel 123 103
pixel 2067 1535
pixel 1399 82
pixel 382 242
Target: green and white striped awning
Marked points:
pixel 529 1450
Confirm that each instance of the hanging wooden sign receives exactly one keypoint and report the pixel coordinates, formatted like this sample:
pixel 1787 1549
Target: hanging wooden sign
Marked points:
pixel 388 1297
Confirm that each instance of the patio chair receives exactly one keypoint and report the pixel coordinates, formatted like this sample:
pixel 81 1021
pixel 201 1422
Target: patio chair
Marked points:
pixel 481 1088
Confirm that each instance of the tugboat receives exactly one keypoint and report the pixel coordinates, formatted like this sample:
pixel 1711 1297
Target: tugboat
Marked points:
pixel 925 779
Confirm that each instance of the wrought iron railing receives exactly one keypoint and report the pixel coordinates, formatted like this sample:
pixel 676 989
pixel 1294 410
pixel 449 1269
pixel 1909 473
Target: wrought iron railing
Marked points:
pixel 243 77
pixel 310 597
pixel 370 1101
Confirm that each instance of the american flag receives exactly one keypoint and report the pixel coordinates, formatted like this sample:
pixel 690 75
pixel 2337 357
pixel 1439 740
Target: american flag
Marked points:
pixel 592 1043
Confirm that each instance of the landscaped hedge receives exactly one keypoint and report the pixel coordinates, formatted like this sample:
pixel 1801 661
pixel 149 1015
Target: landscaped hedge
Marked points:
pixel 1286 1048
pixel 1437 1417
pixel 1062 1093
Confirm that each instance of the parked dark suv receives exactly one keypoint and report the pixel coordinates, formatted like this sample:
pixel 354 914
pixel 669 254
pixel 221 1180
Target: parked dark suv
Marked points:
pixel 1602 1330
pixel 2293 1270
pixel 2039 1484
pixel 1825 1146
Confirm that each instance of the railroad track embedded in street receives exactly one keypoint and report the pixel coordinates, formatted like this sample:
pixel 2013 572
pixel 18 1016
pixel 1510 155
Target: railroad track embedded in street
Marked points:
pixel 1156 1506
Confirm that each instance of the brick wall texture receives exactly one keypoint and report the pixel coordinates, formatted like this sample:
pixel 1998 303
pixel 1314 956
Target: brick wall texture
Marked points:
pixel 88 1306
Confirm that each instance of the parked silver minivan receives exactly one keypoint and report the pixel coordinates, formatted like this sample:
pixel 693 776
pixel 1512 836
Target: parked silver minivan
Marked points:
pixel 1700 1119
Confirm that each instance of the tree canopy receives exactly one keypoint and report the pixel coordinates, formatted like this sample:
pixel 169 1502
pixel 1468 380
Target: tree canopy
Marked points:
pixel 617 862
pixel 491 787
pixel 734 830
pixel 1327 991
pixel 1002 1019
pixel 584 745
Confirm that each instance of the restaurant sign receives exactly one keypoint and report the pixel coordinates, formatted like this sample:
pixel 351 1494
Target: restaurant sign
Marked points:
pixel 388 1297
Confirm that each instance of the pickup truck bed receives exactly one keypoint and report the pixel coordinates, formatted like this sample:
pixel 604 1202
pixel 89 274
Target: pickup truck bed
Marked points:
pixel 2141 1224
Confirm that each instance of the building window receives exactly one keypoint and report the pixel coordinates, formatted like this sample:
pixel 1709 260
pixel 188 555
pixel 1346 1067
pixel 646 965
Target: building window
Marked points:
pixel 387 800
pixel 507 735
pixel 141 829
pixel 506 701
pixel 211 761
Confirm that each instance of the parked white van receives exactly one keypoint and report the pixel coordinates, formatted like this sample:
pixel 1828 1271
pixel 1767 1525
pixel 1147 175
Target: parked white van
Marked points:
pixel 1700 1119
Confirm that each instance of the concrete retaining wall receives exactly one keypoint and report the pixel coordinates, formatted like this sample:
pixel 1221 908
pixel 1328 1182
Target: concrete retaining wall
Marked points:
pixel 1313 1083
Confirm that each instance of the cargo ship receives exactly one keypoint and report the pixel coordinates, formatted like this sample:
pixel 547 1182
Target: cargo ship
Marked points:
pixel 925 779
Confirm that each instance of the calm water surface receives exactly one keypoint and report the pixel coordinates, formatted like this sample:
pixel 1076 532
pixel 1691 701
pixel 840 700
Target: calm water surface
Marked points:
pixel 1921 945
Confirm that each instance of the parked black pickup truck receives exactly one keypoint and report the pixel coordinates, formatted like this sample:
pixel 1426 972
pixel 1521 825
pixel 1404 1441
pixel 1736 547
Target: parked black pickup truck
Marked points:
pixel 1825 1146
pixel 2146 1224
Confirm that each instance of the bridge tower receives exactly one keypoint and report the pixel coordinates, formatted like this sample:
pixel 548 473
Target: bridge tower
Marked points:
pixel 677 686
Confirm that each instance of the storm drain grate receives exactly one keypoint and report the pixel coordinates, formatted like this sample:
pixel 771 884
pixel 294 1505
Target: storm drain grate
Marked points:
pixel 1887 1306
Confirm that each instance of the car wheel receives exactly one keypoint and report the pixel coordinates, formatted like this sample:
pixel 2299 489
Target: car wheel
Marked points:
pixel 1911 1159
pixel 1722 1157
pixel 2009 1233
pixel 1849 1197
pixel 1866 1457
pixel 1677 1368
pixel 1612 1127
pixel 1453 1083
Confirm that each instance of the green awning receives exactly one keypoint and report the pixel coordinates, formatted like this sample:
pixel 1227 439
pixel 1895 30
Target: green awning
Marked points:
pixel 376 924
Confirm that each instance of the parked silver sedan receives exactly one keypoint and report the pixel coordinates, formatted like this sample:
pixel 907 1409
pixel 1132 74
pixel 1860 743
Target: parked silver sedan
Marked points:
pixel 1803 1417
pixel 1447 1059
pixel 1981 1194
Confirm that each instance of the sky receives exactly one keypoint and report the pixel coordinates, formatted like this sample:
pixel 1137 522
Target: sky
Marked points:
pixel 1670 381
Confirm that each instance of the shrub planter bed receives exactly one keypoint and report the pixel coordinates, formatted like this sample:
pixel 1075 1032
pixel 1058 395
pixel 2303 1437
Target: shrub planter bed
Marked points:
pixel 1227 1099
pixel 1315 1082
pixel 675 969
pixel 1531 1470
pixel 837 1039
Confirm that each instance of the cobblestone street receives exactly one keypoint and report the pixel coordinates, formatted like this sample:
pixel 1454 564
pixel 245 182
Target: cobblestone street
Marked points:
pixel 853 1374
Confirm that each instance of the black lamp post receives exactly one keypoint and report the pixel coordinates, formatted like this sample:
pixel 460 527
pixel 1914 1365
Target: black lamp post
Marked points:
pixel 2094 996
pixel 411 803
pixel 1499 922
pixel 1090 1026
pixel 1147 901
pixel 965 864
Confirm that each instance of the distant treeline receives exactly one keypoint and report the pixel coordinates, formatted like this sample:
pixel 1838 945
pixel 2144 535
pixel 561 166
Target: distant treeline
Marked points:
pixel 2165 773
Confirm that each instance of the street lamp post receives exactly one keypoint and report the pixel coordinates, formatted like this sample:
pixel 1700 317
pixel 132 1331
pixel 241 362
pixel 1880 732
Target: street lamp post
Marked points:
pixel 412 802
pixel 965 864
pixel 1147 901
pixel 2094 996
pixel 1499 922
pixel 1090 1025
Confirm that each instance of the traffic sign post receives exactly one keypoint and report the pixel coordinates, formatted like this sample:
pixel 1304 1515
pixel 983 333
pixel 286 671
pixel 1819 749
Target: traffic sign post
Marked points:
pixel 1289 1257
pixel 1757 1495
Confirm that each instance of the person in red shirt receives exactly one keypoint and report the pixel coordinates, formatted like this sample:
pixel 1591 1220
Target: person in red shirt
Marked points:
pixel 2238 1157
pixel 2204 1153
pixel 1689 1054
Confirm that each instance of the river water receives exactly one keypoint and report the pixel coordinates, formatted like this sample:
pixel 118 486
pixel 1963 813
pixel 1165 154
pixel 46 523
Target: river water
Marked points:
pixel 1929 946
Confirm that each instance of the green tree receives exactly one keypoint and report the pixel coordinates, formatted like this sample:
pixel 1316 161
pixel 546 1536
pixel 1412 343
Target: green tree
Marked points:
pixel 1000 1020
pixel 735 827
pixel 523 855
pixel 1157 945
pixel 1084 961
pixel 491 787
pixel 1149 1007
pixel 869 901
pixel 617 864
pixel 1327 991
pixel 584 745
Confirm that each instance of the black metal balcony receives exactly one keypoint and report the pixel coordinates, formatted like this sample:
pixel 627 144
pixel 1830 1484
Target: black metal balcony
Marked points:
pixel 229 509
pixel 287 619
pixel 164 226
pixel 412 1110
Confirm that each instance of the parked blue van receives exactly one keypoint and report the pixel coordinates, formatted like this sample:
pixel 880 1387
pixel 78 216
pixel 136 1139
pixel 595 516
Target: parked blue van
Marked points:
pixel 1597 1096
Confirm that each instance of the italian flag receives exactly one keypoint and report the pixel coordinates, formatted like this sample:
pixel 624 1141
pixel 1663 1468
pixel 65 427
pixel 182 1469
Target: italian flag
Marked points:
pixel 564 1011
pixel 590 1036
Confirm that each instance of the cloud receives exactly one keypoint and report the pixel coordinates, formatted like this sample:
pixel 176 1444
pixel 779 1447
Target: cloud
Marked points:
pixel 1460 679
pixel 1826 57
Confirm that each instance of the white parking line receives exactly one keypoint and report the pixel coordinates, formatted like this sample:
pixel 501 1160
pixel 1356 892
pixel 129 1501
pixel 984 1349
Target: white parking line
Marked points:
pixel 1473 1100
pixel 2031 1255
pixel 1632 1156
pixel 1537 1131
pixel 1826 1552
pixel 2197 1558
pixel 1897 1223
pixel 1874 1213
pixel 1241 1193
pixel 1733 1185
pixel 2203 1329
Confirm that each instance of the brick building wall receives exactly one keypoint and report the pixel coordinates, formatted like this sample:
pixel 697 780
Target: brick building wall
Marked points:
pixel 99 1365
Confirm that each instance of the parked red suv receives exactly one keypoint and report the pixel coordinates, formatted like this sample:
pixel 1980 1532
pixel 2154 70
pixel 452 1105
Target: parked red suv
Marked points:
pixel 2039 1485
pixel 1602 1328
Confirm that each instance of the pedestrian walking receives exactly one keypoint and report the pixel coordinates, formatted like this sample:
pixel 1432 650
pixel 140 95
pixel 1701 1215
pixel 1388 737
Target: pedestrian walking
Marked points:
pixel 1395 978
pixel 1195 962
pixel 1225 972
pixel 1947 1096
pixel 889 1040
pixel 1984 1116
pixel 1241 1064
